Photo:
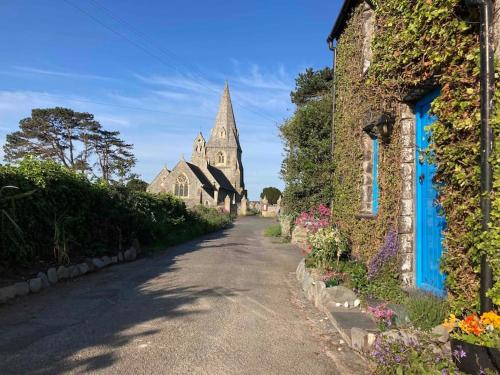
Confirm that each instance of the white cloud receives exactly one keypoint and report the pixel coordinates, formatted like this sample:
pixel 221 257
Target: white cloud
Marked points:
pixel 58 73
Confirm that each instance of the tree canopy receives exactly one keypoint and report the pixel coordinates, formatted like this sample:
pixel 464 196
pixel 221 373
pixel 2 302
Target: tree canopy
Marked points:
pixel 271 193
pixel 312 85
pixel 307 166
pixel 73 139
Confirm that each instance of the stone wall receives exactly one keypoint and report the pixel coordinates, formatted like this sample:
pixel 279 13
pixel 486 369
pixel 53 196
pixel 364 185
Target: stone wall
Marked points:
pixel 407 214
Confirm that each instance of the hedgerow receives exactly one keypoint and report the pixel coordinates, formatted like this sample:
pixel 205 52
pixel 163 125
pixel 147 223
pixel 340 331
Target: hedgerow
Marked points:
pixel 68 216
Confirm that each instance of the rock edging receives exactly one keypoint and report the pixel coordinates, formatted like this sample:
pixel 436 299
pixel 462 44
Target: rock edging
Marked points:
pixel 54 275
pixel 341 306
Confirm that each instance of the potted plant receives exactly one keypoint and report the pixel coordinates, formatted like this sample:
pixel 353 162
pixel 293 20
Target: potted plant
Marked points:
pixel 475 342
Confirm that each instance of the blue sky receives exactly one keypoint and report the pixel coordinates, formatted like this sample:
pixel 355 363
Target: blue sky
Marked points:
pixel 155 70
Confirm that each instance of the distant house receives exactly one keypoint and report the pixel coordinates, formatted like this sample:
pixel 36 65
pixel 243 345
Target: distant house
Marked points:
pixel 215 172
pixel 384 176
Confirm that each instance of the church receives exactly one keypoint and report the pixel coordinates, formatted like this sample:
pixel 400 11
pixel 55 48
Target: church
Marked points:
pixel 215 170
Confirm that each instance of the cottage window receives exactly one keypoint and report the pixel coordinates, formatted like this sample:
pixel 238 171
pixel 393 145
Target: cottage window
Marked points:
pixel 181 188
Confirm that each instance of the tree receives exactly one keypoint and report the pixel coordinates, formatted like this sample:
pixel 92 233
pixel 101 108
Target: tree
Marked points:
pixel 73 139
pixel 307 167
pixel 53 134
pixel 312 85
pixel 114 156
pixel 136 184
pixel 271 193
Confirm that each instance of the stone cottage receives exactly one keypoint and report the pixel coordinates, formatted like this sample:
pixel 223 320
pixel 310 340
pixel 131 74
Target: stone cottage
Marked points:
pixel 384 178
pixel 214 175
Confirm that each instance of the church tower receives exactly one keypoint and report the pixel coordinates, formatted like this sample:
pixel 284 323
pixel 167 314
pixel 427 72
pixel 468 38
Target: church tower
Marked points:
pixel 199 157
pixel 223 149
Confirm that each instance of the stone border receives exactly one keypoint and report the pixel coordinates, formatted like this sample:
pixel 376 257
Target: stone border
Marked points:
pixel 342 306
pixel 54 275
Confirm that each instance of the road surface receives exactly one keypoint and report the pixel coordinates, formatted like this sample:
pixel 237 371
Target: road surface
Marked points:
pixel 224 304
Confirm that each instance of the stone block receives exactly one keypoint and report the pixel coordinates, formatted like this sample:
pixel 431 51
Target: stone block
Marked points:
pixel 90 264
pixel 299 272
pixel 405 224
pixel 120 257
pixel 73 272
pixel 44 278
pixel 7 293
pixel 407 190
pixel 130 254
pixel 407 172
pixel 62 273
pixel 407 262
pixel 52 275
pixel 114 259
pixel 339 294
pixel 136 245
pixel 408 155
pixel 319 288
pixel 35 285
pixel 98 263
pixel 407 278
pixel 370 339
pixel 406 207
pixel 406 243
pixel 441 333
pixel 106 260
pixel 359 339
pixel 83 268
pixel 22 288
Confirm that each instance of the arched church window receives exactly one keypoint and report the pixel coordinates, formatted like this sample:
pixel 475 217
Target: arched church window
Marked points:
pixel 221 158
pixel 181 188
pixel 223 133
pixel 199 147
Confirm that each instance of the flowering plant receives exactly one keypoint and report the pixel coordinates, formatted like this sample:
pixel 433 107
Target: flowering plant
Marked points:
pixel 385 256
pixel 327 245
pixel 411 352
pixel 314 219
pixel 383 316
pixel 481 330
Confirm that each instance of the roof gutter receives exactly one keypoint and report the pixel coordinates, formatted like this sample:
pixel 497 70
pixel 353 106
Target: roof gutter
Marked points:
pixel 487 95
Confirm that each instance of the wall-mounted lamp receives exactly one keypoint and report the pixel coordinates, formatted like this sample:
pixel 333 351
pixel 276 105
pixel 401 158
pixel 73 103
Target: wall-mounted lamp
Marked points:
pixel 381 127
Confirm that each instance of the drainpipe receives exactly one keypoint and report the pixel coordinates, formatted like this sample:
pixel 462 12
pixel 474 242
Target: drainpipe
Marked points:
pixel 487 95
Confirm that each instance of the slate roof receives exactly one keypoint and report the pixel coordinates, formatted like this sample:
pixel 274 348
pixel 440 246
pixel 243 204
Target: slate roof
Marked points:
pixel 343 16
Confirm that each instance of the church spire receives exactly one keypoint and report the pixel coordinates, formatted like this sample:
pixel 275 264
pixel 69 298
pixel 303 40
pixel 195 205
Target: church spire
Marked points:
pixel 225 124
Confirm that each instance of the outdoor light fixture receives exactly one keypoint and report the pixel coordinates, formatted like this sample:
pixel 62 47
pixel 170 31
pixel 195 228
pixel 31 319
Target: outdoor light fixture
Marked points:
pixel 381 127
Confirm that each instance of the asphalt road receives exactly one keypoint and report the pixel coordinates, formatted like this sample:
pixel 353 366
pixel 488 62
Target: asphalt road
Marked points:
pixel 224 304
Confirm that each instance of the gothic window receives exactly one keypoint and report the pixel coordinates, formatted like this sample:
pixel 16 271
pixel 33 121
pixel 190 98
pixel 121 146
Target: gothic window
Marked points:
pixel 181 188
pixel 199 146
pixel 221 158
pixel 223 133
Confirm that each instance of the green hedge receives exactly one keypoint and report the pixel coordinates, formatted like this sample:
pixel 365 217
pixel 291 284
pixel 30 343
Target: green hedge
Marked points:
pixel 66 215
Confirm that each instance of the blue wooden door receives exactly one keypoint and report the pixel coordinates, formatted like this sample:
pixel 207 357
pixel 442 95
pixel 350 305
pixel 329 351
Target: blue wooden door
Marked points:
pixel 429 222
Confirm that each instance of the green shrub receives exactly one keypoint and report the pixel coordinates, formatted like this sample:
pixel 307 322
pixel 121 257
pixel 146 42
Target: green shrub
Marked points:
pixel 66 215
pixel 425 310
pixel 273 231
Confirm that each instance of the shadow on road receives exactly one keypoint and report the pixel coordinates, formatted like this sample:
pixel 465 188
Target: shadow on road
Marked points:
pixel 44 333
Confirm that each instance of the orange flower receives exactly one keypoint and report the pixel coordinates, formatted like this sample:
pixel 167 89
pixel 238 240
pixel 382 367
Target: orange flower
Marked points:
pixel 471 324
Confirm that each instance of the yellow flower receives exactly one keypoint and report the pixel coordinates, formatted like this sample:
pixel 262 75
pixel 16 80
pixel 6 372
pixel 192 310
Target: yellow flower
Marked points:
pixel 491 318
pixel 450 323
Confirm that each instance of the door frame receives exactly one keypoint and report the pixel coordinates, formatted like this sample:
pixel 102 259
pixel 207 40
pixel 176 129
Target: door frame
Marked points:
pixel 419 246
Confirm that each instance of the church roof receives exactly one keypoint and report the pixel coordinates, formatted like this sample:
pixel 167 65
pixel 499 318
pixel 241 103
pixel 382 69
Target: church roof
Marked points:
pixel 221 178
pixel 225 119
pixel 200 175
pixel 215 173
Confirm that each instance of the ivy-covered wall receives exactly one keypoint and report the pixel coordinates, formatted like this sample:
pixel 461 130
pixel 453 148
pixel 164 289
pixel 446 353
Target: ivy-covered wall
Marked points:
pixel 417 45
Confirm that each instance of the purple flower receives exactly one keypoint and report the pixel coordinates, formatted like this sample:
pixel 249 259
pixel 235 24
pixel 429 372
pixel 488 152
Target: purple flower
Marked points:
pixel 386 253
